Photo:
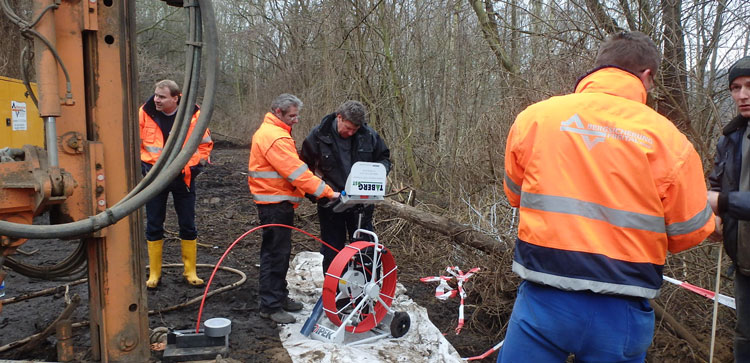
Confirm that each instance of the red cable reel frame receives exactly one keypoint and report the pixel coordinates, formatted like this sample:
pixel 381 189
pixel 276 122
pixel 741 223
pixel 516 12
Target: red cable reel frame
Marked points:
pixel 381 290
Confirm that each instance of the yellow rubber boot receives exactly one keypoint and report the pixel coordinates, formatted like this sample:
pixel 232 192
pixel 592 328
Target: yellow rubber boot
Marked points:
pixel 189 254
pixel 154 262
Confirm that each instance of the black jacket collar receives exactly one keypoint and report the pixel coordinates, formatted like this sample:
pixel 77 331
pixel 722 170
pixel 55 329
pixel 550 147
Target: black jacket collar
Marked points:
pixel 738 122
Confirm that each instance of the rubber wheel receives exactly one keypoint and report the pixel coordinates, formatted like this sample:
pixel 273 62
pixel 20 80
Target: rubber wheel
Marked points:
pixel 400 324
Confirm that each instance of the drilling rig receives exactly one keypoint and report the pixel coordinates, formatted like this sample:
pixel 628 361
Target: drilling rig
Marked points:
pixel 85 175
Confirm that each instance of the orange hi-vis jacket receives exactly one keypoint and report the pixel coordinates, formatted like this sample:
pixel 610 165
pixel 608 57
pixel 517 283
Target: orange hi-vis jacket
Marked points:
pixel 605 186
pixel 276 173
pixel 152 139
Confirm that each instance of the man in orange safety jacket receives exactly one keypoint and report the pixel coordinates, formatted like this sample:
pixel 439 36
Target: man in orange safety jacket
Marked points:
pixel 605 186
pixel 156 118
pixel 278 181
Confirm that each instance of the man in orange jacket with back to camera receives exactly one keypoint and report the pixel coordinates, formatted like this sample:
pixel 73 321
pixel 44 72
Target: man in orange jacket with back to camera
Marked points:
pixel 605 186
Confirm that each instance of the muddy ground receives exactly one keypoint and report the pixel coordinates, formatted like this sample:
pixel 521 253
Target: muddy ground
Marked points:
pixel 224 212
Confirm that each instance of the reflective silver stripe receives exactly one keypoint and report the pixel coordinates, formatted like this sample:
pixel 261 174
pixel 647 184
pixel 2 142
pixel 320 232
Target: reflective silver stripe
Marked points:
pixel 264 175
pixel 591 210
pixel 275 198
pixel 320 189
pixel 515 188
pixel 573 284
pixel 692 224
pixel 296 174
pixel 206 140
pixel 153 149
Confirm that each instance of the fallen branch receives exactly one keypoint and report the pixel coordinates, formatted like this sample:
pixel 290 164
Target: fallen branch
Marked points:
pixel 50 291
pixel 685 333
pixel 32 341
pixel 459 232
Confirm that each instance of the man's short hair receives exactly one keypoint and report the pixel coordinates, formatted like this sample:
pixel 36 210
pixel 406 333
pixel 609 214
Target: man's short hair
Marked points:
pixel 632 51
pixel 284 101
pixel 174 89
pixel 353 111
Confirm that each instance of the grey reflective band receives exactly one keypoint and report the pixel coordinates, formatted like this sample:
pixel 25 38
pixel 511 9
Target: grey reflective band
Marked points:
pixel 615 217
pixel 574 284
pixel 206 140
pixel 320 189
pixel 275 198
pixel 264 175
pixel 515 188
pixel 583 131
pixel 692 224
pixel 153 149
pixel 296 174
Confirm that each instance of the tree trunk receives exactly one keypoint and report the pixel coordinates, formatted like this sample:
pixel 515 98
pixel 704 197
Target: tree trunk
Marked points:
pixel 460 233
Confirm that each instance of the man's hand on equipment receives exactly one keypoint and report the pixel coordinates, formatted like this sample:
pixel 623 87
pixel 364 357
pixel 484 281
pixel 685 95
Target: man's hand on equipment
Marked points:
pixel 713 200
pixel 336 195
pixel 717 236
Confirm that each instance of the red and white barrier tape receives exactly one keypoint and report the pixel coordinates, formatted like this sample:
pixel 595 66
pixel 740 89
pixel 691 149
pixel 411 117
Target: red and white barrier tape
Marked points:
pixel 722 299
pixel 487 353
pixel 444 292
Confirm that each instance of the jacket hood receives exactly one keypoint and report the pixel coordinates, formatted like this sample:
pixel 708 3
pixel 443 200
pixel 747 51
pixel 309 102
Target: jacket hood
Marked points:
pixel 736 123
pixel 614 81
pixel 150 107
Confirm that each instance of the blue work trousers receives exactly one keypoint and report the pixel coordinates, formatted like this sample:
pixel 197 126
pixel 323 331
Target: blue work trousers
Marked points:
pixel 184 205
pixel 548 324
pixel 275 250
pixel 337 229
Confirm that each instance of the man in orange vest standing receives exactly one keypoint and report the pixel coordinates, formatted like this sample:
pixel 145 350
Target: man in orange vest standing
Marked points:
pixel 156 118
pixel 730 198
pixel 605 187
pixel 278 181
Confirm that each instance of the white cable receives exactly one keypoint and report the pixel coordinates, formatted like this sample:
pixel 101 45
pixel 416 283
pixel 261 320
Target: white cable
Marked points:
pixel 716 306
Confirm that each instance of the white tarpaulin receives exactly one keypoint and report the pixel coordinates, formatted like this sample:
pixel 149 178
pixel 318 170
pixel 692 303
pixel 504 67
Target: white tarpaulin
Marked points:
pixel 423 343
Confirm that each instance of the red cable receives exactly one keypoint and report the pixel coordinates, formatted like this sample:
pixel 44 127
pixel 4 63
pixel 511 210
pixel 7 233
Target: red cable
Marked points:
pixel 208 285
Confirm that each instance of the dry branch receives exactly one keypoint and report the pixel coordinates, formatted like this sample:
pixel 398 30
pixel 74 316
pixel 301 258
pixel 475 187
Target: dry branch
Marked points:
pixel 685 333
pixel 31 342
pixel 460 233
pixel 50 291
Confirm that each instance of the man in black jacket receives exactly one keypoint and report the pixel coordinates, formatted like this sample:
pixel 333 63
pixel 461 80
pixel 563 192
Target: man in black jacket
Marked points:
pixel 342 139
pixel 730 199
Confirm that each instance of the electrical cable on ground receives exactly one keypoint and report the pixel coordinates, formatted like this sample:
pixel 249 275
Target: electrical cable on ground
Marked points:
pixel 194 300
pixel 210 279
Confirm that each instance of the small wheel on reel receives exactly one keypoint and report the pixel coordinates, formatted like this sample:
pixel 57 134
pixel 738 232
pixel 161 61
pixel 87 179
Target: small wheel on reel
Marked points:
pixel 400 324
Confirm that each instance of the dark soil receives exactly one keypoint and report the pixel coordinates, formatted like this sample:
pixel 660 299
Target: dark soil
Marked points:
pixel 224 212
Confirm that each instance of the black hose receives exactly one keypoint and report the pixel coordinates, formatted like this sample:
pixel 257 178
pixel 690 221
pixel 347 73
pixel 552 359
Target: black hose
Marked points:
pixel 74 264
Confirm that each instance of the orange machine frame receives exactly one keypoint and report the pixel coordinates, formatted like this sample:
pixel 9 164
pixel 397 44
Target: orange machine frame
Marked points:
pixel 97 140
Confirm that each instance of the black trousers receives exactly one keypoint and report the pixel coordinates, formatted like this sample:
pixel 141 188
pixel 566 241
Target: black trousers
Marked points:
pixel 742 329
pixel 274 254
pixel 337 229
pixel 184 206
